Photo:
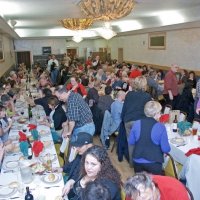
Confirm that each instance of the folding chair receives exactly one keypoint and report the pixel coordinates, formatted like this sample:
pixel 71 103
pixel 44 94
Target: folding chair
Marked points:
pixel 189 193
pixel 170 167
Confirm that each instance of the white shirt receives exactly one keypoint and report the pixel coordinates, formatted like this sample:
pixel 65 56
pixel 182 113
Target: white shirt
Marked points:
pixel 50 63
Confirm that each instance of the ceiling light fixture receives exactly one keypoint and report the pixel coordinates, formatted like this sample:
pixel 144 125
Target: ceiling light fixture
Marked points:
pixel 77 38
pixel 106 32
pixel 76 23
pixel 12 22
pixel 106 9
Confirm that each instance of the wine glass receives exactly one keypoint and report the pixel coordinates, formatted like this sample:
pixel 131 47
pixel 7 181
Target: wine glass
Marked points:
pixel 24 129
pixel 22 112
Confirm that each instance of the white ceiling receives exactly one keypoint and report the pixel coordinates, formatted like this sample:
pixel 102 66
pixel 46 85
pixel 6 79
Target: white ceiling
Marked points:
pixel 40 18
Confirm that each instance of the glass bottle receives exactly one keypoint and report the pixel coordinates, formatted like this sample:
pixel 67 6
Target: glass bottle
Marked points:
pixel 29 112
pixel 28 196
pixel 174 125
pixel 30 152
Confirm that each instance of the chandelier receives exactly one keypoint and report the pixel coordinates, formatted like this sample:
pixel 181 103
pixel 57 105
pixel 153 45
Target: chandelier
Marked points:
pixel 76 23
pixel 106 32
pixel 77 38
pixel 106 9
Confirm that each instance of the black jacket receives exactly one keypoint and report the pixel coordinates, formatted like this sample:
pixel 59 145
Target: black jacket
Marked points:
pixel 59 117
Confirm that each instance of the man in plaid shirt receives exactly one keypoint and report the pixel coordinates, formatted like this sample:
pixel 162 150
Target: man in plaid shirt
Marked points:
pixel 78 113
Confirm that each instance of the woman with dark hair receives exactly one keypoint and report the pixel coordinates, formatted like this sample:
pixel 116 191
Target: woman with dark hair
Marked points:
pixel 43 101
pixel 192 79
pixel 56 118
pixel 96 165
pixel 185 102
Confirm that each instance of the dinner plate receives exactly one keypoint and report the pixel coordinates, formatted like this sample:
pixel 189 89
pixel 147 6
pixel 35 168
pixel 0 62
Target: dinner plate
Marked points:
pixel 44 132
pixel 38 168
pixel 6 191
pixel 10 164
pixel 47 144
pixel 177 141
pixel 44 158
pixel 22 120
pixel 49 180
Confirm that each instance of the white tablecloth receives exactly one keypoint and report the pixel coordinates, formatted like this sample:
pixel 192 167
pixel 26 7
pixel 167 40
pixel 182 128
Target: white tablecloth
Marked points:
pixel 178 152
pixel 39 188
pixel 191 164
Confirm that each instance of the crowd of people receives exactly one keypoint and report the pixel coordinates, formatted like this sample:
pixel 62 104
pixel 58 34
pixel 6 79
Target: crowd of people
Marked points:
pixel 83 99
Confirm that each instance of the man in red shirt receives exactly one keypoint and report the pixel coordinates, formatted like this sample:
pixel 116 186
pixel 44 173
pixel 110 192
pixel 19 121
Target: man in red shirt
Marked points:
pixel 144 186
pixel 171 86
pixel 135 72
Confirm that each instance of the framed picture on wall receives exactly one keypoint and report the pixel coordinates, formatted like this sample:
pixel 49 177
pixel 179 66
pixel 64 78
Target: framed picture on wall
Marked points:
pixel 46 50
pixel 1 50
pixel 157 40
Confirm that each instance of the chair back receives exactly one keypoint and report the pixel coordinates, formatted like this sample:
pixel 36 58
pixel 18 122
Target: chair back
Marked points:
pixel 182 116
pixel 170 167
pixel 189 193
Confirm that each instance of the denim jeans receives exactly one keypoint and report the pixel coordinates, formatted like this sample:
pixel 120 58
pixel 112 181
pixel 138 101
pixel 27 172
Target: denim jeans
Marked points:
pixel 87 128
pixel 54 75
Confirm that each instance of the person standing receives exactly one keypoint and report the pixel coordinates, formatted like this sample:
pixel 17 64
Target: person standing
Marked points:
pixel 78 113
pixel 53 67
pixel 171 86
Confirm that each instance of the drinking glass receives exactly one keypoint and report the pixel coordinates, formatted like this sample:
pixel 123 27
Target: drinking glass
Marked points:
pixel 26 173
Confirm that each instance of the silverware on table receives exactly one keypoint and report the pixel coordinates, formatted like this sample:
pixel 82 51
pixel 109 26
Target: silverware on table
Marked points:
pixel 48 187
pixel 14 197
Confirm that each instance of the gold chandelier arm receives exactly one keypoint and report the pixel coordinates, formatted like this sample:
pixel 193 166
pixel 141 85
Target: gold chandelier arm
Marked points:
pixel 106 9
pixel 76 23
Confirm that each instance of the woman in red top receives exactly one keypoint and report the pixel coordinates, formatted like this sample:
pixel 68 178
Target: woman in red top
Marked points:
pixel 144 186
pixel 77 87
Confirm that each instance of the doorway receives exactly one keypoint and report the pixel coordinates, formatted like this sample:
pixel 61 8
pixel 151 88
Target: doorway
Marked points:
pixel 72 52
pixel 24 57
pixel 120 55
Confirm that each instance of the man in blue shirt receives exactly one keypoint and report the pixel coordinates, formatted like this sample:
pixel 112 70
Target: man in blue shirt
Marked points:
pixel 111 121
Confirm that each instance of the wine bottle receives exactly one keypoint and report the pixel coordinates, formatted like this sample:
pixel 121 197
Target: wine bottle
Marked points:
pixel 28 196
pixel 30 152
pixel 29 112
pixel 174 125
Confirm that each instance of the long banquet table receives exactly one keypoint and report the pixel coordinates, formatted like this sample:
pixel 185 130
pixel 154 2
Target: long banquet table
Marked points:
pixel 178 151
pixel 40 187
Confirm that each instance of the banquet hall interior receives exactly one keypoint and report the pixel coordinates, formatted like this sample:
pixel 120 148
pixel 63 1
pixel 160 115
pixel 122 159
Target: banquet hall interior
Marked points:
pixel 126 72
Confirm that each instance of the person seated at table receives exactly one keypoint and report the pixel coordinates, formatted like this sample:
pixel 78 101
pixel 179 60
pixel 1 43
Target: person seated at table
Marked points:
pixel 44 80
pixel 13 76
pixel 112 120
pixel 57 117
pixel 77 87
pixel 95 165
pixel 5 124
pixel 106 100
pixel 150 140
pixel 96 190
pixel 198 107
pixel 8 103
pixel 83 142
pixel 43 101
pixel 1 152
pixel 144 186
